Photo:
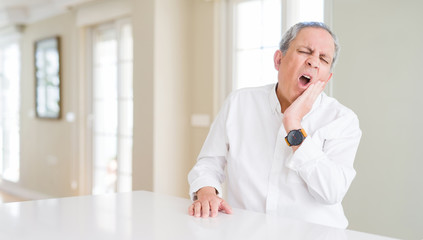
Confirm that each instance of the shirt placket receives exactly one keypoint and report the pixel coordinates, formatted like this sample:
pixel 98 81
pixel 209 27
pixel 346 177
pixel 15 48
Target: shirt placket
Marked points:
pixel 275 173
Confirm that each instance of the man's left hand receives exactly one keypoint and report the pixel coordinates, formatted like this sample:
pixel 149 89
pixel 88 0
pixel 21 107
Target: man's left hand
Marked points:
pixel 301 106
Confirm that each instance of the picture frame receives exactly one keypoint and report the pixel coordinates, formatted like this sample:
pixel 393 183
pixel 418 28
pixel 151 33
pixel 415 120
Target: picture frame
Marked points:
pixel 47 63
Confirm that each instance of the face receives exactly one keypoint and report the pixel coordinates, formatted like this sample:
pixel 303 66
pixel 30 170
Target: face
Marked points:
pixel 307 60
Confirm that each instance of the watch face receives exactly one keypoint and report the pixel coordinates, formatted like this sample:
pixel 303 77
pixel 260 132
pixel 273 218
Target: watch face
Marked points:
pixel 295 137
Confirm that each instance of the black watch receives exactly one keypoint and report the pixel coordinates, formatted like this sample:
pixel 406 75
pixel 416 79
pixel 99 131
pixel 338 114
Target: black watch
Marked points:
pixel 295 137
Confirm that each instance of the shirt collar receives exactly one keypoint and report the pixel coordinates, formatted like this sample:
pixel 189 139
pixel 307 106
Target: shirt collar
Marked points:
pixel 275 106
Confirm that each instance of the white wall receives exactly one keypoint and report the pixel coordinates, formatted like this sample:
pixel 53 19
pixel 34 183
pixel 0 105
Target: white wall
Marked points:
pixel 52 152
pixel 378 76
pixel 49 149
pixel 162 95
pixel 201 70
pixel 171 96
pixel 143 83
pixel 161 149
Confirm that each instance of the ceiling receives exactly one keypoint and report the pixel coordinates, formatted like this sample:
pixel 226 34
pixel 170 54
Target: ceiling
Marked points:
pixel 17 12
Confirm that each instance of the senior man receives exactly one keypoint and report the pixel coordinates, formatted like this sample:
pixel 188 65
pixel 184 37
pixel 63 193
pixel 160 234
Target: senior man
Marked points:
pixel 288 148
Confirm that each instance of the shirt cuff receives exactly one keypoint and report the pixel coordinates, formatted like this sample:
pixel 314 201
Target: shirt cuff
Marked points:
pixel 306 153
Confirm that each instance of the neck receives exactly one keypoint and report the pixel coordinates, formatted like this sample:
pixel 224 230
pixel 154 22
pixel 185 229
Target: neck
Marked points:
pixel 283 101
pixel 284 104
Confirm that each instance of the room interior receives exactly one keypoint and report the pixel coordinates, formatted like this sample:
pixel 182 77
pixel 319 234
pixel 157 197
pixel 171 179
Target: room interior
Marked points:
pixel 177 90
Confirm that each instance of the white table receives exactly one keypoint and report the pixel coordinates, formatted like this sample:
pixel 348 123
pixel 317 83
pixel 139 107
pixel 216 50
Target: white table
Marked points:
pixel 146 215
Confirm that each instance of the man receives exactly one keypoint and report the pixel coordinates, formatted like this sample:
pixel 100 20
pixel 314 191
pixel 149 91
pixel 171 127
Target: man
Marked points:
pixel 288 148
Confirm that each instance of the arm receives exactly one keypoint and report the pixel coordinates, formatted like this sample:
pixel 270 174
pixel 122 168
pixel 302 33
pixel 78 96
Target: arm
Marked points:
pixel 207 175
pixel 328 171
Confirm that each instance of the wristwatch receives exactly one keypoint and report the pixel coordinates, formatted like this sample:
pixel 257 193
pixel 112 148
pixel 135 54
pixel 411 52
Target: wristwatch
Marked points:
pixel 295 137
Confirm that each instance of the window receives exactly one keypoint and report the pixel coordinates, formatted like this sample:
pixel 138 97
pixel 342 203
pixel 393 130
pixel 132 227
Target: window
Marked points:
pixel 9 111
pixel 112 107
pixel 257 28
pixel 310 10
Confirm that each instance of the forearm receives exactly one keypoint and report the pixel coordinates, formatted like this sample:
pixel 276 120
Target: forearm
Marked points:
pixel 327 181
pixel 328 174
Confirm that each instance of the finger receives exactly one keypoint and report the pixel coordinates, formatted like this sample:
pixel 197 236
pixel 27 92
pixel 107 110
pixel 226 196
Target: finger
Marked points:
pixel 225 207
pixel 214 208
pixel 314 90
pixel 307 94
pixel 205 209
pixel 191 210
pixel 309 90
pixel 317 89
pixel 197 209
pixel 320 86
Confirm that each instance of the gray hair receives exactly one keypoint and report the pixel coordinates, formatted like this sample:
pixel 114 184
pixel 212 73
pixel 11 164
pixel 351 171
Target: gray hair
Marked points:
pixel 291 34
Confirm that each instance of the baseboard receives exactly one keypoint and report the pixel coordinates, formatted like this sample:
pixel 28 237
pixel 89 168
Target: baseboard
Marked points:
pixel 19 191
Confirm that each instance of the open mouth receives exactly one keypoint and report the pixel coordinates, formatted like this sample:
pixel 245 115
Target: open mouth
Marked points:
pixel 305 80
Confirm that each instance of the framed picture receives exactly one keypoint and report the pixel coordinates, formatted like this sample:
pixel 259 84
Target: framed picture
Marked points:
pixel 48 78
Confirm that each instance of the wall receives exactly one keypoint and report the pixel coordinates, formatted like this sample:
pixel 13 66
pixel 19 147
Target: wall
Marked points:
pixel 143 150
pixel 202 70
pixel 171 96
pixel 53 152
pixel 173 79
pixel 49 147
pixel 378 77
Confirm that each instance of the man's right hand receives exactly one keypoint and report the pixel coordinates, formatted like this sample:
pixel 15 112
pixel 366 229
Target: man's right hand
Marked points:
pixel 208 204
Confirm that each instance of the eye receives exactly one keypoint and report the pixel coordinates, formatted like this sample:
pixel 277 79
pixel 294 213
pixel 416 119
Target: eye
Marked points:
pixel 304 51
pixel 324 60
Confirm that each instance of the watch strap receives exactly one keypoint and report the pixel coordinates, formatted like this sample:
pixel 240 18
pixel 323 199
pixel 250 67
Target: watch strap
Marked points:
pixel 302 131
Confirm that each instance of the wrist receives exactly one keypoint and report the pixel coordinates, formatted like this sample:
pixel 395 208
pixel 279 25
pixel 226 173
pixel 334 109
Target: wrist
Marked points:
pixel 295 138
pixel 291 124
pixel 206 191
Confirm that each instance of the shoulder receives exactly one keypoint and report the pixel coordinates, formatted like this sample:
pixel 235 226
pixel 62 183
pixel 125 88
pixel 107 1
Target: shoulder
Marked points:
pixel 251 93
pixel 251 100
pixel 335 108
pixel 334 115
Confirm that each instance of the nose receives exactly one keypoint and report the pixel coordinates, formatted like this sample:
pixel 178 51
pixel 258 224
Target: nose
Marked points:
pixel 313 62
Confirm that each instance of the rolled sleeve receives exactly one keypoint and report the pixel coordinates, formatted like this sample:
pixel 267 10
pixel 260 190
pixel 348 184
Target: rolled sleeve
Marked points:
pixel 325 161
pixel 307 152
pixel 207 173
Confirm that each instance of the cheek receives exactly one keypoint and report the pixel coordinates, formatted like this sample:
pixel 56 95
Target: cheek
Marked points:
pixel 283 78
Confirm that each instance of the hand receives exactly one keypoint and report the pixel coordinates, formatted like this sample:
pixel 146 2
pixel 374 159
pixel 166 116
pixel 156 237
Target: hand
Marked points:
pixel 208 204
pixel 301 106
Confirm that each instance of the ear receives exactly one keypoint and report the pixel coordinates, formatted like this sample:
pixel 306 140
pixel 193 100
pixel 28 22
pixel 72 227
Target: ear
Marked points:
pixel 277 57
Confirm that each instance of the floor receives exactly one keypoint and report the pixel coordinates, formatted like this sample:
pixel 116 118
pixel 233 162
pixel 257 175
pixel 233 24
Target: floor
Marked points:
pixel 5 198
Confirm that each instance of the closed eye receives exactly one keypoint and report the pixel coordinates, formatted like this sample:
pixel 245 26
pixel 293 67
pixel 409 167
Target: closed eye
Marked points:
pixel 304 52
pixel 324 60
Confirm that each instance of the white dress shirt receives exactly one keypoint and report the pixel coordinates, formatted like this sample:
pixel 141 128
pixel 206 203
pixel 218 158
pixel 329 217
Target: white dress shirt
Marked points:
pixel 264 174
